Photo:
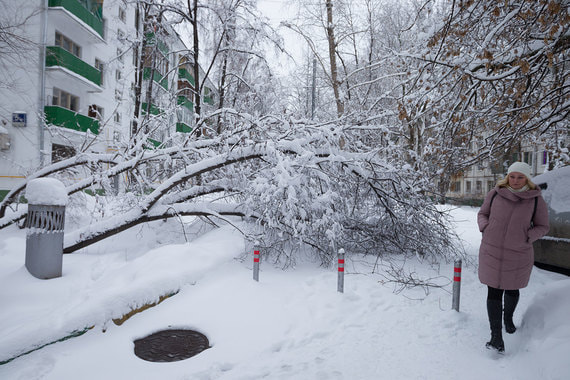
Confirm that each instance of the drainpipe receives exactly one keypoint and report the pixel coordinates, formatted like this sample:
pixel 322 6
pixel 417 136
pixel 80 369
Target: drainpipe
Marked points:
pixel 42 68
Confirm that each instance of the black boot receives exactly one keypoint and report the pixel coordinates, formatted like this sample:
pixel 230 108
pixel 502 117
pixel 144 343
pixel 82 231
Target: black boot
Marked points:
pixel 494 310
pixel 511 301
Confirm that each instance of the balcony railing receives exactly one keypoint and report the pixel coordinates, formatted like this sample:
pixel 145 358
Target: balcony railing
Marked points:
pixel 65 118
pixel 151 40
pixel 184 74
pixel 153 144
pixel 58 56
pixel 208 97
pixel 184 128
pixel 91 15
pixel 157 77
pixel 153 110
pixel 184 101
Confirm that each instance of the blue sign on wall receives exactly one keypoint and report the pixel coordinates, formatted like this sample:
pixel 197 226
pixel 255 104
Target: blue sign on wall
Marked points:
pixel 19 119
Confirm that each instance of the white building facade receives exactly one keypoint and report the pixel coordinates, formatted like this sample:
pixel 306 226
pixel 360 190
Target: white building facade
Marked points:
pixel 71 88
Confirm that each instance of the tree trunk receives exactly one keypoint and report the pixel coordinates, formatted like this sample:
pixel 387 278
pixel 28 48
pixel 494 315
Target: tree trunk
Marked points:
pixel 222 91
pixel 332 57
pixel 197 87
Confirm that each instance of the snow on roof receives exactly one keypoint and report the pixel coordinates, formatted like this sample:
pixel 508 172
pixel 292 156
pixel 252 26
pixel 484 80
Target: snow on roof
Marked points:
pixel 557 194
pixel 46 191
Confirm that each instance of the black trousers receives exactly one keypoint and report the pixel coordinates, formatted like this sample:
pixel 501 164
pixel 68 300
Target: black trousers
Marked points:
pixel 497 294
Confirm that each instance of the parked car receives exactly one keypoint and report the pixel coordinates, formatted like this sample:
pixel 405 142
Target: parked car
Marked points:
pixel 553 250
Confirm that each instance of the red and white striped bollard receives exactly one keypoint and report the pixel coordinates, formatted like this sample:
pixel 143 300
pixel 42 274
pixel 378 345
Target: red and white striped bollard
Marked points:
pixel 256 265
pixel 456 284
pixel 340 285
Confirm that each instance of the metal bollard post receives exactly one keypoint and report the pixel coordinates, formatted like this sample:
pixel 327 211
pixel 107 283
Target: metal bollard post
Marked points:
pixel 340 285
pixel 456 284
pixel 45 222
pixel 256 265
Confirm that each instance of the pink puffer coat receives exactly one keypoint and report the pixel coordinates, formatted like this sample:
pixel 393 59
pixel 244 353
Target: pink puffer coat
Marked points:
pixel 506 256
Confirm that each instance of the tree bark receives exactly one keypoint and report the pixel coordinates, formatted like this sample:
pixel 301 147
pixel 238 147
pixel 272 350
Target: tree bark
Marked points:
pixel 193 10
pixel 332 57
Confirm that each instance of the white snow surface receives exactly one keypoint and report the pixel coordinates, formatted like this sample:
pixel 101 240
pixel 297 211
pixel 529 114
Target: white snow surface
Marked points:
pixel 292 324
pixel 46 191
pixel 557 194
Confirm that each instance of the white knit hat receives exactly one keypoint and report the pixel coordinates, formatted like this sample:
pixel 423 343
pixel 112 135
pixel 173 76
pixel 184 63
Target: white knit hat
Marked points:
pixel 520 167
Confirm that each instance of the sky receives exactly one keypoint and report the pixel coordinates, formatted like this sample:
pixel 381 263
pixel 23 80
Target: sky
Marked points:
pixel 277 11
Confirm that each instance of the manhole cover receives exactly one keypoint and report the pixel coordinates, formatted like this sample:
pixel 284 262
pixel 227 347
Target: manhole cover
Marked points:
pixel 171 345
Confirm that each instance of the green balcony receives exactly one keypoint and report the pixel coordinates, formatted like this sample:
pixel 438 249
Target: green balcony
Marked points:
pixel 152 144
pixel 153 110
pixel 184 128
pixel 3 194
pixel 65 118
pixel 151 40
pixel 163 81
pixel 184 101
pixel 58 56
pixel 184 74
pixel 88 11
pixel 208 98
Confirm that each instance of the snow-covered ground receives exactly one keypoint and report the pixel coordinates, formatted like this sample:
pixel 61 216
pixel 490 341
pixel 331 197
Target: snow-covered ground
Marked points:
pixel 292 324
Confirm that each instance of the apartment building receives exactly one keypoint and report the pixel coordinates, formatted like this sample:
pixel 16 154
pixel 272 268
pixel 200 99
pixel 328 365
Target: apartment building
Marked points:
pixel 71 86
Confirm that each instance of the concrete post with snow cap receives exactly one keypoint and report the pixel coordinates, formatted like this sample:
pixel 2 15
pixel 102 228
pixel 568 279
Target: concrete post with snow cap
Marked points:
pixel 47 198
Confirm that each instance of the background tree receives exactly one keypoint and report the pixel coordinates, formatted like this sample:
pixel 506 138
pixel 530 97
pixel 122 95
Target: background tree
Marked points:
pixel 492 76
pixel 15 45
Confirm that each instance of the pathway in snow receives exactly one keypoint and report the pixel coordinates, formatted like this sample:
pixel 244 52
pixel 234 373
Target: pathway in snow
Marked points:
pixel 291 325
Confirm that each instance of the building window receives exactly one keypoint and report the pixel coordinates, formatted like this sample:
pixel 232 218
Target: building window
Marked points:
pixel 162 64
pixel 527 157
pixel 544 157
pixel 153 56
pixel 65 99
pixel 118 95
pixel 468 186
pixel 120 55
pixel 185 89
pixel 118 74
pixel 490 185
pixel 481 164
pixel 479 187
pixel 95 112
pixel 120 35
pixel 455 187
pixel 101 67
pixel 122 14
pixel 67 44
pixel 61 152
pixel 116 136
pixel 117 117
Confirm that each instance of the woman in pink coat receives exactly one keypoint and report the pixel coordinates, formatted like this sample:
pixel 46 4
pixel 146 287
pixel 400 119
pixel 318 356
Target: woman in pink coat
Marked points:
pixel 511 218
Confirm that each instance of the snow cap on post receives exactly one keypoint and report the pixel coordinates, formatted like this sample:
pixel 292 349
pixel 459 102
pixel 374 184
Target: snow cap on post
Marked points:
pixel 46 191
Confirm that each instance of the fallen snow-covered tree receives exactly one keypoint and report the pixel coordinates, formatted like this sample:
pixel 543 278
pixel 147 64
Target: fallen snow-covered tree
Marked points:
pixel 302 185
